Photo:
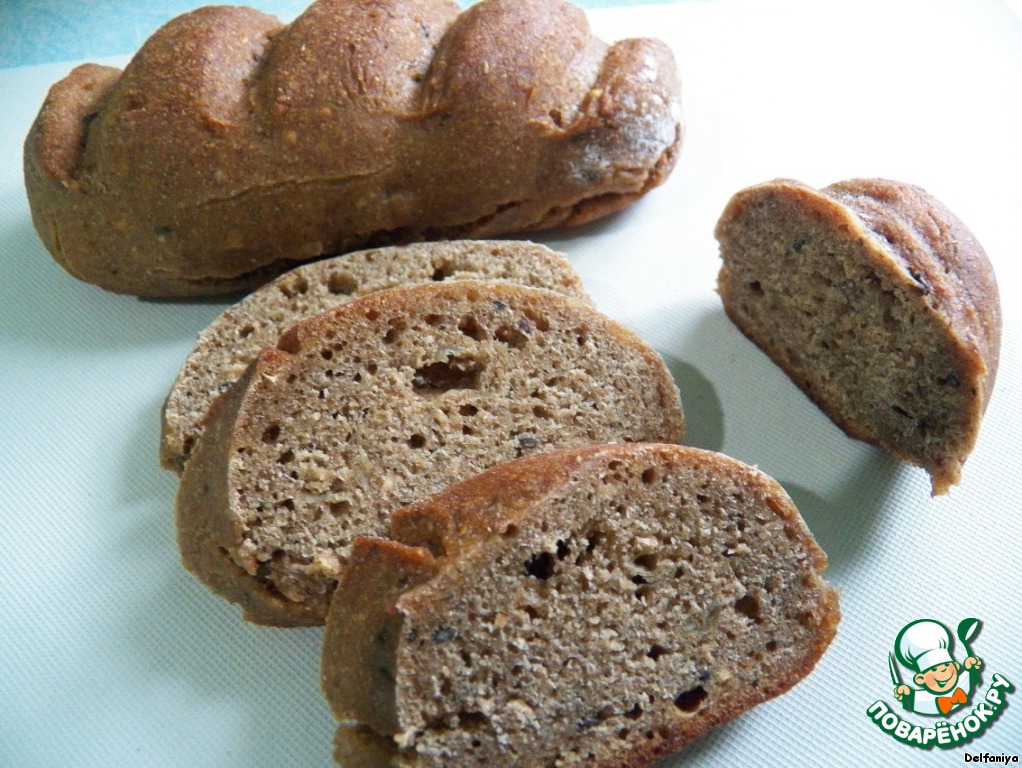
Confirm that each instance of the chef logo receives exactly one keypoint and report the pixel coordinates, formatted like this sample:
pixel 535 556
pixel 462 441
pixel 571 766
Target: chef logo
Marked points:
pixel 945 685
pixel 928 680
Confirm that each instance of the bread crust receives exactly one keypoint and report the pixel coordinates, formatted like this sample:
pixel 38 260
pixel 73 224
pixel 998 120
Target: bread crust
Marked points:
pixel 233 147
pixel 465 522
pixel 245 537
pixel 913 245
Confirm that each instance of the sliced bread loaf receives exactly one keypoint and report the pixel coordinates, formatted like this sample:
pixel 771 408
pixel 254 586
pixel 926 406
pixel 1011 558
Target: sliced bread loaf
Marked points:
pixel 600 606
pixel 233 340
pixel 877 302
pixel 373 404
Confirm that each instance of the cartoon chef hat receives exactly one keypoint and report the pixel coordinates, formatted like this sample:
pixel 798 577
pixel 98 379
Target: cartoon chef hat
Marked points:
pixel 923 644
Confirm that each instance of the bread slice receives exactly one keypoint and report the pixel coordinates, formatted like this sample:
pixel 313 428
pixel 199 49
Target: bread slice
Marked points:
pixel 603 606
pixel 368 406
pixel 233 340
pixel 877 302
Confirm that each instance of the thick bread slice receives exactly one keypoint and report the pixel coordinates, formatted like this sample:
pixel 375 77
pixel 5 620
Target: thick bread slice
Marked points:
pixel 877 302
pixel 233 340
pixel 373 404
pixel 600 606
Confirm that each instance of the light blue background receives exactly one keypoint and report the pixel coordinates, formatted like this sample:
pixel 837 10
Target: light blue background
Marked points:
pixel 43 31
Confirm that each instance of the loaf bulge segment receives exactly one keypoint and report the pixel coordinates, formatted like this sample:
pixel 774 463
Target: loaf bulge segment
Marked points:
pixel 369 406
pixel 232 341
pixel 232 147
pixel 599 606
pixel 879 304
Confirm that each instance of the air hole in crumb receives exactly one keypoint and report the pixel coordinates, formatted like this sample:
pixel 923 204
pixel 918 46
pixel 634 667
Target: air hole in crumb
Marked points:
pixel 326 353
pixel 656 651
pixel 295 286
pixel 647 561
pixel 749 606
pixel 286 457
pixel 512 336
pixel 649 476
pixel 467 410
pixel 271 433
pixel 416 441
pixel 756 287
pixel 771 646
pixel 246 330
pixel 690 701
pixel 542 412
pixel 340 508
pixel 341 284
pixel 562 550
pixel 645 593
pixel 454 373
pixel 511 530
pixel 395 330
pixel 539 322
pixel 433 319
pixel 372 315
pixel 441 273
pixel 471 328
pixel 634 713
pixel 540 565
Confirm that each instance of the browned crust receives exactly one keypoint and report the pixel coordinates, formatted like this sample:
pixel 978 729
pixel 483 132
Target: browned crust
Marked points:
pixel 918 242
pixel 461 519
pixel 507 117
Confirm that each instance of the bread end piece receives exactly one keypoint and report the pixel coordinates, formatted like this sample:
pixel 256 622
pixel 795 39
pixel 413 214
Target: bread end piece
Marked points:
pixel 877 302
pixel 207 531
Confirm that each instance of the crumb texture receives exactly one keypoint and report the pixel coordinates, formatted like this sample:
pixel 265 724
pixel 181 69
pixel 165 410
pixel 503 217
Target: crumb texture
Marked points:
pixel 226 348
pixel 369 406
pixel 877 302
pixel 605 615
pixel 233 147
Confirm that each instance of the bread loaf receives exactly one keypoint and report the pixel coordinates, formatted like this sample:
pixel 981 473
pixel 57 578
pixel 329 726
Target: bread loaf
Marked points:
pixel 233 340
pixel 877 302
pixel 368 406
pixel 232 147
pixel 600 606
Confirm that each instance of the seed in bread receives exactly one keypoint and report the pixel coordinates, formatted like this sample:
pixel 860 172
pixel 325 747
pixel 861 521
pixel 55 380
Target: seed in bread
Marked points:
pixel 232 147
pixel 368 406
pixel 229 344
pixel 877 302
pixel 602 606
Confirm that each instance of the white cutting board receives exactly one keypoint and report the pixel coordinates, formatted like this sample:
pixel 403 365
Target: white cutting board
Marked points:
pixel 111 655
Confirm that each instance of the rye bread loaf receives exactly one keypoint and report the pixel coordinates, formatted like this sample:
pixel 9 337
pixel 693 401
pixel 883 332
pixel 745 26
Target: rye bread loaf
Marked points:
pixel 373 404
pixel 599 606
pixel 232 341
pixel 232 147
pixel 877 302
